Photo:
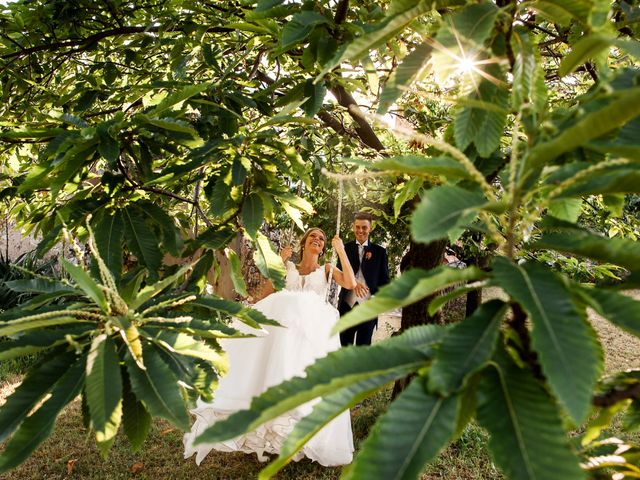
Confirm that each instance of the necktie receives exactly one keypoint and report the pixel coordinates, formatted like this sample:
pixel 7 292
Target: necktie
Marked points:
pixel 351 297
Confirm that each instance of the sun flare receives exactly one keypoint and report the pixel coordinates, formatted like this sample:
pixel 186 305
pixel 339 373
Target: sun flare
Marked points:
pixel 466 65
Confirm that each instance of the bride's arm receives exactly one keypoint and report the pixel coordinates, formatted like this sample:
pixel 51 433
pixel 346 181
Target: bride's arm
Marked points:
pixel 265 290
pixel 345 278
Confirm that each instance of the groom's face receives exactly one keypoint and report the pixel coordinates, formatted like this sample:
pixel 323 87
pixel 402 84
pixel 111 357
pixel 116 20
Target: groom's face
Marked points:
pixel 361 229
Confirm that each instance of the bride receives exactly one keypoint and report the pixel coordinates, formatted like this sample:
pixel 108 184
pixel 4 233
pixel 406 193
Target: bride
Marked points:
pixel 279 353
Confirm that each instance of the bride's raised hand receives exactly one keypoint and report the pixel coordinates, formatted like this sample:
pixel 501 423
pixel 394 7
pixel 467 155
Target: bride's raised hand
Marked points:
pixel 345 278
pixel 337 244
pixel 286 252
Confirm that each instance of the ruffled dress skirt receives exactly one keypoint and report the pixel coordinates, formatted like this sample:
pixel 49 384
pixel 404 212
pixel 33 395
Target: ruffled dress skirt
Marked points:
pixel 274 355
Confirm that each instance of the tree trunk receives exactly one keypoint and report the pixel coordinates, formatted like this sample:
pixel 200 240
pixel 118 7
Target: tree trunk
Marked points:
pixel 425 256
pixel 474 297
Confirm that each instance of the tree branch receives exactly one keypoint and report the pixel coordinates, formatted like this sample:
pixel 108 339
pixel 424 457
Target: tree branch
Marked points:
pixel 135 185
pixel 614 396
pixel 83 44
pixel 341 12
pixel 334 123
pixel 534 26
pixel 166 193
pixel 518 322
pixel 328 119
pixel 113 12
pixel 364 129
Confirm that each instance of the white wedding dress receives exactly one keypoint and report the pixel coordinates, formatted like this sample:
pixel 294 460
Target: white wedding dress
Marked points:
pixel 277 354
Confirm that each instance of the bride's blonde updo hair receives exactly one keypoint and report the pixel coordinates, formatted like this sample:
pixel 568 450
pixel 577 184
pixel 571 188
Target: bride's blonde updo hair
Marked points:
pixel 303 240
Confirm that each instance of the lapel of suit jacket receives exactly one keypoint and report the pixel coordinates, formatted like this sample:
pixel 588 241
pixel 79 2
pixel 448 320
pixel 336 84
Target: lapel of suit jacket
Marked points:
pixel 355 257
pixel 366 260
pixel 352 254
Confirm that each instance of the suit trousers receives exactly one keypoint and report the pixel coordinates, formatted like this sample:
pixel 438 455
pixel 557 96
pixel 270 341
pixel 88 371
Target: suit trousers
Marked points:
pixel 361 333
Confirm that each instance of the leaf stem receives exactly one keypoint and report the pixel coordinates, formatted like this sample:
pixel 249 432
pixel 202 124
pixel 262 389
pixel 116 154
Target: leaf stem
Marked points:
pixel 514 191
pixel 587 172
pixel 463 159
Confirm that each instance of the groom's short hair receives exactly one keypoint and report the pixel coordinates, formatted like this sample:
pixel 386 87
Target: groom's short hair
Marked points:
pixel 363 216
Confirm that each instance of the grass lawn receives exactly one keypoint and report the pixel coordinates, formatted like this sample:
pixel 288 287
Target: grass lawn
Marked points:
pixel 71 449
pixel 70 452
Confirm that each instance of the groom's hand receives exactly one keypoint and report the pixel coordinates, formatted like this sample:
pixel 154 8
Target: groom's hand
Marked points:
pixel 361 290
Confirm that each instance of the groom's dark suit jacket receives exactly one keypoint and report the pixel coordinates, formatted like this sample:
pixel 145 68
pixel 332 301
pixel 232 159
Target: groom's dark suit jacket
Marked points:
pixel 375 266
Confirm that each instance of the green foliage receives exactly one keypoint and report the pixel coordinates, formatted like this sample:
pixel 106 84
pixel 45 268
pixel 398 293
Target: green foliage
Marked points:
pixel 268 262
pixel 528 83
pixel 523 420
pixel 418 165
pixel 587 271
pixel 337 370
pixel 404 74
pixel 584 49
pixel 414 429
pixel 34 429
pixel 618 109
pixel 617 308
pixel 130 359
pixel 445 211
pixel 467 346
pixel 408 288
pixel 19 279
pixel 391 25
pixel 483 125
pixel 330 406
pixel 618 251
pixel 145 121
pixel 104 390
pixel 570 355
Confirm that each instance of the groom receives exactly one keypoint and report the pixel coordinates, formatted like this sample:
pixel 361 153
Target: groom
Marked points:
pixel 369 262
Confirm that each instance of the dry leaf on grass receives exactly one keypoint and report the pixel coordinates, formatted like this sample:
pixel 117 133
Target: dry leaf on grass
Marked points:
pixel 136 467
pixel 70 464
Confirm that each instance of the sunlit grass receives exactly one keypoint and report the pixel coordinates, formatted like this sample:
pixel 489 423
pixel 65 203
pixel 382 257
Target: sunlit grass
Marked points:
pixel 161 456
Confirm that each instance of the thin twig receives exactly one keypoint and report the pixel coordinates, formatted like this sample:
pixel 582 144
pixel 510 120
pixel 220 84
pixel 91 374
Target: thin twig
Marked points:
pixel 614 396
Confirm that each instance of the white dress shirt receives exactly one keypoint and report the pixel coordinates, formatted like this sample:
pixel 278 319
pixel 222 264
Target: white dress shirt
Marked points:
pixel 352 299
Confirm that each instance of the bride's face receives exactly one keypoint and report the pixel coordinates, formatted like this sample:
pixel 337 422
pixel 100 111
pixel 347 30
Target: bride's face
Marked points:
pixel 315 242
